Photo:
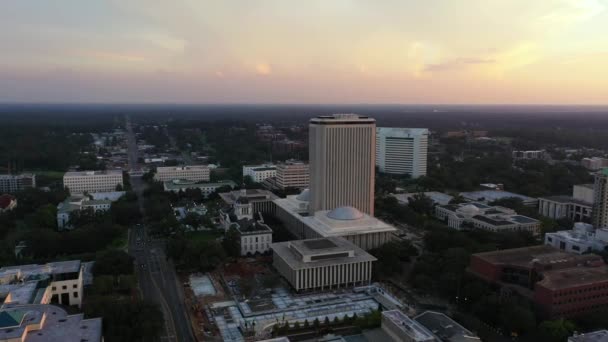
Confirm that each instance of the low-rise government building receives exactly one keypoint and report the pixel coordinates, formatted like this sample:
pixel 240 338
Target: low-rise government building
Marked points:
pixel 259 173
pixel 363 230
pixel 292 174
pixel 583 238
pixel 475 215
pixel 207 189
pixel 261 200
pixel 577 207
pixel 561 284
pixel 56 282
pixel 46 323
pixel 196 173
pixel 11 183
pixel 79 182
pixel 324 263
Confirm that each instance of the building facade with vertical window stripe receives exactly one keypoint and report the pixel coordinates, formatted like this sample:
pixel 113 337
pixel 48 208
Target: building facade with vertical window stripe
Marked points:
pixel 325 263
pixel 342 155
pixel 402 150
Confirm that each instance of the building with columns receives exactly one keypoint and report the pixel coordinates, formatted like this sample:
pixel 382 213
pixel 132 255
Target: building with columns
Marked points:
pixel 577 207
pixel 342 157
pixel 324 263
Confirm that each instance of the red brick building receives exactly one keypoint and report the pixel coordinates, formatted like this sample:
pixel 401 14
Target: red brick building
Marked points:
pixel 561 284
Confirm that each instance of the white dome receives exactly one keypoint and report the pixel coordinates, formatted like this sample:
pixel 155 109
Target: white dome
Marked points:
pixel 304 196
pixel 469 209
pixel 345 213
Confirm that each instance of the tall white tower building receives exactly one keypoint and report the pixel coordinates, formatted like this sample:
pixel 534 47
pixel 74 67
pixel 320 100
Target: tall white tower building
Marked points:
pixel 342 155
pixel 402 150
pixel 600 204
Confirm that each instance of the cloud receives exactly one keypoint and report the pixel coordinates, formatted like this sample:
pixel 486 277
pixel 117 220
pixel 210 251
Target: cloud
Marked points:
pixel 457 64
pixel 114 56
pixel 573 11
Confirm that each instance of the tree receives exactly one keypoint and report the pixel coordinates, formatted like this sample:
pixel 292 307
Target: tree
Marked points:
pixel 232 243
pixel 44 217
pixel 422 204
pixel 124 320
pixel 113 262
pixel 557 330
pixel 517 319
pixel 119 187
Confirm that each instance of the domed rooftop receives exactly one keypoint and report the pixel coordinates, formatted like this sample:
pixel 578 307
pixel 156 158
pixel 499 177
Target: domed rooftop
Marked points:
pixel 345 213
pixel 304 196
pixel 469 209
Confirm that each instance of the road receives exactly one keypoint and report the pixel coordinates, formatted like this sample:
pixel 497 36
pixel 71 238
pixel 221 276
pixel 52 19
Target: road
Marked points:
pixel 156 275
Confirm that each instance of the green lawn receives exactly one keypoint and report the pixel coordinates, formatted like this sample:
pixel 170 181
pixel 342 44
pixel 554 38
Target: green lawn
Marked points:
pixel 204 236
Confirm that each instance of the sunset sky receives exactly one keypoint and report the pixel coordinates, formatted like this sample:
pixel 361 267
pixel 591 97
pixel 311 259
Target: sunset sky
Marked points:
pixel 312 51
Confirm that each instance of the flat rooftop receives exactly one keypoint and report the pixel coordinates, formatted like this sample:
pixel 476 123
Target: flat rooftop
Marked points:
pixel 93 173
pixel 527 256
pixel 253 195
pixel 408 327
pixel 594 336
pixel 327 226
pixel 339 246
pixel 59 267
pixel 493 195
pixel 573 276
pixel 57 325
pixel 437 197
pixel 182 168
pixel 181 183
pixel 566 200
pixel 445 327
pixel 265 168
pixel 342 118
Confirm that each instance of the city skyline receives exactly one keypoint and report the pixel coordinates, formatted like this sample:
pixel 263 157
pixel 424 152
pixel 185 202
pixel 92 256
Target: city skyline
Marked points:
pixel 354 51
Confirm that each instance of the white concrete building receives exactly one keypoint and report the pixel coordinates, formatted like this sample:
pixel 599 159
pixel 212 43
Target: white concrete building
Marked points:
pixel 363 230
pixel 481 216
pixel 206 188
pixel 14 183
pixel 256 237
pixel 79 182
pixel 47 323
pixel 593 336
pixel 600 202
pixel 322 263
pixel 293 174
pixel 528 155
pixel 577 207
pixel 261 200
pixel 62 282
pixel 342 157
pixel 260 173
pixel 581 239
pixel 401 328
pixel 402 150
pixel 195 173
pixel 77 203
pixel 594 163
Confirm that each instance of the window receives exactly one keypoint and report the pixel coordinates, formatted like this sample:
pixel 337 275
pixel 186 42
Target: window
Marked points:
pixel 75 294
pixel 54 288
pixel 75 286
pixel 575 248
pixel 64 287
